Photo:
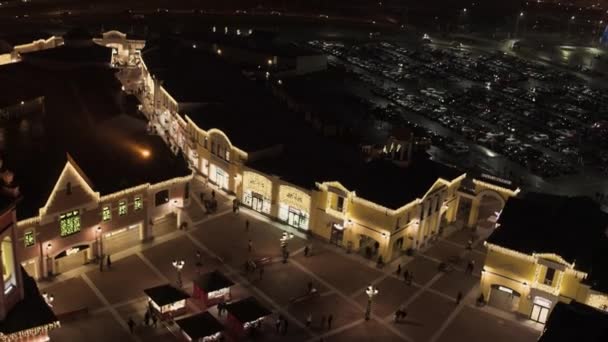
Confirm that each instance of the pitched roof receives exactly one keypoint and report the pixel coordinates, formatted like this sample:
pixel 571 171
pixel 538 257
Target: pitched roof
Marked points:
pixel 212 281
pixel 165 294
pixel 200 325
pixel 82 117
pixel 247 310
pixel 571 227
pixel 575 322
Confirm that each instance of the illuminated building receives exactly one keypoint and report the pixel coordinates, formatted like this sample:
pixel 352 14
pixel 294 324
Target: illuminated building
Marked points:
pixel 93 180
pixel 547 249
pixel 24 313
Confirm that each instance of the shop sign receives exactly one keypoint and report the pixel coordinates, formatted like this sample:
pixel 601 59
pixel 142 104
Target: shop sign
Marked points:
pixel 258 184
pixel 294 198
pixel 72 251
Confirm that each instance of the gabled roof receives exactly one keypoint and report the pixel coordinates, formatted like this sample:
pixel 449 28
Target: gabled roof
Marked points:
pixel 212 281
pixel 200 326
pixel 575 322
pixel 247 310
pixel 166 294
pixel 571 227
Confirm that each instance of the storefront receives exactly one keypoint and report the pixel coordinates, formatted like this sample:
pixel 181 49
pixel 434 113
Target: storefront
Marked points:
pixel 294 207
pixel 257 192
pixel 71 258
pixel 540 309
pixel 504 298
pixel 121 239
pixel 167 301
pixel 218 176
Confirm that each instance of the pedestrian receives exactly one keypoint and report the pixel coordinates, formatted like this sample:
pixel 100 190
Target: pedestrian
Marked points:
pixel 470 244
pixel 309 286
pixel 323 318
pixel 330 318
pixel 399 269
pixel 247 225
pixel 250 246
pixel 131 324
pixel 406 275
pixel 277 324
pixel 306 251
pixel 237 206
pixel 261 272
pixel 285 326
pixel 109 262
pixel 213 194
pixel 147 318
pixel 458 297
pixel 154 320
pixel 308 320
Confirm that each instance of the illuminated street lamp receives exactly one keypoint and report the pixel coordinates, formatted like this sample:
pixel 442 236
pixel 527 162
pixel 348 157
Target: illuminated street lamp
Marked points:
pixel 48 298
pixel 371 292
pixel 99 238
pixel 48 259
pixel 179 265
pixel 519 18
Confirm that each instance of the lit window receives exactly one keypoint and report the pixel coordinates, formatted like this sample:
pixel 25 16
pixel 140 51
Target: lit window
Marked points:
pixel 213 147
pixel 227 155
pixel 70 223
pixel 138 203
pixel 106 213
pixel 122 208
pixel 29 238
pixel 205 143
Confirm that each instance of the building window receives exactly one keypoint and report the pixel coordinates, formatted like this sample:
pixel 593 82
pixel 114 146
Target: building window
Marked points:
pixel 227 154
pixel 161 197
pixel 340 204
pixel 549 276
pixel 69 223
pixel 437 204
pixel 122 208
pixel 29 238
pixel 213 147
pixel 106 213
pixel 138 203
pixel 68 188
pixel 205 143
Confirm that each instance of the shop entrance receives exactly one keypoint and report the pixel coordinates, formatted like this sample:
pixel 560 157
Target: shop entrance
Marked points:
pixel 368 246
pixel 540 310
pixel 71 258
pixel 121 239
pixel 504 298
pixel 294 219
pixel 257 202
pixel 337 234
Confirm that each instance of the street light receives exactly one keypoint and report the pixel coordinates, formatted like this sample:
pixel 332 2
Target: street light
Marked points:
pixel 371 292
pixel 179 264
pixel 48 259
pixel 48 298
pixel 99 237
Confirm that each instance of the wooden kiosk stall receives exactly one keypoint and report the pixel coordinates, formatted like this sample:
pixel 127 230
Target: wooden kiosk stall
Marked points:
pixel 167 301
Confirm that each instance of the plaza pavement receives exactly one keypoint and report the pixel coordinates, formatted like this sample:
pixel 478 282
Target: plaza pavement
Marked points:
pixel 115 295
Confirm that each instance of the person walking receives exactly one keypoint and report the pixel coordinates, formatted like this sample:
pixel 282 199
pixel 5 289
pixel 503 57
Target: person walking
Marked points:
pixel 212 194
pixel 247 226
pixel 330 318
pixel 250 246
pixel 131 324
pixel 154 320
pixel 306 251
pixel 261 271
pixel 109 262
pixel 308 320
pixel 458 297
pixel 399 269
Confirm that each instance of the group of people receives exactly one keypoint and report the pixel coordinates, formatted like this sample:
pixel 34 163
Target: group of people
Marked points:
pixel 108 262
pixel 400 314
pixel 150 319
pixel 408 276
pixel 281 325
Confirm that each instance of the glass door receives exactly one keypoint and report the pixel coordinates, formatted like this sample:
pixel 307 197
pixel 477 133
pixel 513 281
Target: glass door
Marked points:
pixel 293 219
pixel 256 204
pixel 539 314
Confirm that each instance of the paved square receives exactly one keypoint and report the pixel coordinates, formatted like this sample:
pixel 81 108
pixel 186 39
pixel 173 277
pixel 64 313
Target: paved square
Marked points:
pixel 422 269
pixel 365 331
pixel 443 251
pixel 98 328
pixel 473 325
pixel 452 282
pixel 392 294
pixel 342 311
pixel 126 280
pixel 65 292
pixel 425 316
pixel 338 270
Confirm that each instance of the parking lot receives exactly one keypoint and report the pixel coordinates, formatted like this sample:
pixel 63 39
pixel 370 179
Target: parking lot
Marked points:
pixel 540 118
pixel 115 295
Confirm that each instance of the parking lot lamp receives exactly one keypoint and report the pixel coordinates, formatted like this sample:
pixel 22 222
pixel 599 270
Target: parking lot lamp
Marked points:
pixel 371 292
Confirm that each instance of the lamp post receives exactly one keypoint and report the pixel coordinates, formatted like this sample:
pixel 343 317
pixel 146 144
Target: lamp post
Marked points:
pixel 48 298
pixel 572 18
pixel 49 269
pixel 371 292
pixel 519 18
pixel 179 264
pixel 99 238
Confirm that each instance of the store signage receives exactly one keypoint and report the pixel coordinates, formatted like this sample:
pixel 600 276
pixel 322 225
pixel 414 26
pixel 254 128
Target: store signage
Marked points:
pixel 505 289
pixel 72 251
pixel 258 184
pixel 294 198
pixel 542 302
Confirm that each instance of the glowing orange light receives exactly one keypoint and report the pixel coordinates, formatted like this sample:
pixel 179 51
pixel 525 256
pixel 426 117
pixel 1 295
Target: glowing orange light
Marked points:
pixel 145 153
